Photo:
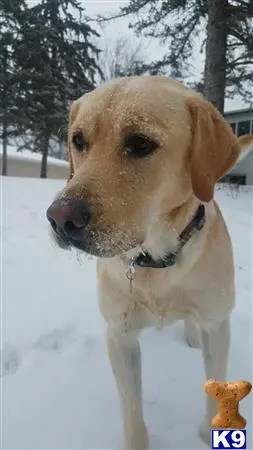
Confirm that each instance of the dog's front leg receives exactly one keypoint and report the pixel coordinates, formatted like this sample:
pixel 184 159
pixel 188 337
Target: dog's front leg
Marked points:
pixel 215 349
pixel 125 357
pixel 192 333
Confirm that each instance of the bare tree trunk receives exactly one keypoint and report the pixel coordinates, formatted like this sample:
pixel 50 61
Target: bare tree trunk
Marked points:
pixel 4 158
pixel 216 48
pixel 45 148
pixel 5 122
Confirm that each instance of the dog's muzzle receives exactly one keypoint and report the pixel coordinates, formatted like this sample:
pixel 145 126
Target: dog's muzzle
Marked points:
pixel 69 220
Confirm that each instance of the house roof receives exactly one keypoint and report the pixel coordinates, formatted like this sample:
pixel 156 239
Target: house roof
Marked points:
pixel 236 112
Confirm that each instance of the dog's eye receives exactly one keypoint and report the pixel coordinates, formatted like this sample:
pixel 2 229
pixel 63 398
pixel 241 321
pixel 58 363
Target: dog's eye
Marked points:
pixel 79 141
pixel 139 146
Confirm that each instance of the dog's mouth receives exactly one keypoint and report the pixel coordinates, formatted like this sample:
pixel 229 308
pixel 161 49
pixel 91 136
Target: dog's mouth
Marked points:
pixel 95 244
pixel 92 248
pixel 66 243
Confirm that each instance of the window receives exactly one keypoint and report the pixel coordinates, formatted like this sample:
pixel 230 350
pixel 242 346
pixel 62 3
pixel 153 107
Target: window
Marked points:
pixel 243 128
pixel 233 126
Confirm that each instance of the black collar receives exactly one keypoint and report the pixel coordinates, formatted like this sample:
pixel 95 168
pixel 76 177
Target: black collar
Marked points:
pixel 146 260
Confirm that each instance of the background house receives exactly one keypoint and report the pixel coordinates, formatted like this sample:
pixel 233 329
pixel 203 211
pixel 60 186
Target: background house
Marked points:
pixel 241 122
pixel 27 164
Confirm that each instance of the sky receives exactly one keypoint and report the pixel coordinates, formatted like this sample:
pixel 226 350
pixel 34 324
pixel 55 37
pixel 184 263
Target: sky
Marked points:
pixel 152 48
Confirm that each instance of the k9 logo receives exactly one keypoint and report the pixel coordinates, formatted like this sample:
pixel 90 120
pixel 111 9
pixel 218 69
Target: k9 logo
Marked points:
pixel 228 439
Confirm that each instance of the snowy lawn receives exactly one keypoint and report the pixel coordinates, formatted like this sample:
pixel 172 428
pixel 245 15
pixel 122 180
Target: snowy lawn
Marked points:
pixel 57 385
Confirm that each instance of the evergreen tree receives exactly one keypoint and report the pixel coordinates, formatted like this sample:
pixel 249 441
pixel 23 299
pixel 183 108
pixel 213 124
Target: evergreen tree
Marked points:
pixel 229 40
pixel 58 63
pixel 11 13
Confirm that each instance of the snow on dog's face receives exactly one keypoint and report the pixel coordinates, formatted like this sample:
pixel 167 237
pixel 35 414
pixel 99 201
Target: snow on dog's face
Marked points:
pixel 139 149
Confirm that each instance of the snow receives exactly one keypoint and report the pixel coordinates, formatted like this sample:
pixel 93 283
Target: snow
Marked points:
pixel 31 156
pixel 58 391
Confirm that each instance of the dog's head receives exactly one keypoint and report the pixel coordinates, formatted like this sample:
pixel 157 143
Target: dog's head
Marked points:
pixel 139 149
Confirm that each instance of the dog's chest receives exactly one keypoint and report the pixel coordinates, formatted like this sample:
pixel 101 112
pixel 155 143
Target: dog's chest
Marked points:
pixel 160 310
pixel 159 298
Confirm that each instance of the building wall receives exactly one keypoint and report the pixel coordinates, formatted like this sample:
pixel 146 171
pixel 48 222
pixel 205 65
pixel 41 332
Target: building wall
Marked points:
pixel 242 123
pixel 18 167
pixel 244 167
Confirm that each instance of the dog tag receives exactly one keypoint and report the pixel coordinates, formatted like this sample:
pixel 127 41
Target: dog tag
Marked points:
pixel 130 274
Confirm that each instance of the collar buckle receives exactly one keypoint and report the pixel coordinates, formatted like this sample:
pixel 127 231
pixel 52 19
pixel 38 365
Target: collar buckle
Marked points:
pixel 144 259
pixel 130 273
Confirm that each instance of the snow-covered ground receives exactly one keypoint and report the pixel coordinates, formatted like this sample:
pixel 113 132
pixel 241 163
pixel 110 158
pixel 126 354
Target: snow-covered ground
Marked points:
pixel 58 391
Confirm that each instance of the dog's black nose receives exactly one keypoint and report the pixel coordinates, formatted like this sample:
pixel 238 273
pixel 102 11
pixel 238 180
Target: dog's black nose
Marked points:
pixel 69 217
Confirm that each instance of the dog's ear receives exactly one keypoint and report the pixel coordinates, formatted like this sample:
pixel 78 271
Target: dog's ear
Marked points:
pixel 214 148
pixel 72 114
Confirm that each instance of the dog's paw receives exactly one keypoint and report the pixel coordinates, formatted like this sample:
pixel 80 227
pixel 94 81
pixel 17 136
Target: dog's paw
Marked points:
pixel 192 333
pixel 205 433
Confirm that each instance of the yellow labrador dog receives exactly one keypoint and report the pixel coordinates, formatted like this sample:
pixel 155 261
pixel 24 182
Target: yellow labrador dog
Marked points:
pixel 145 154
